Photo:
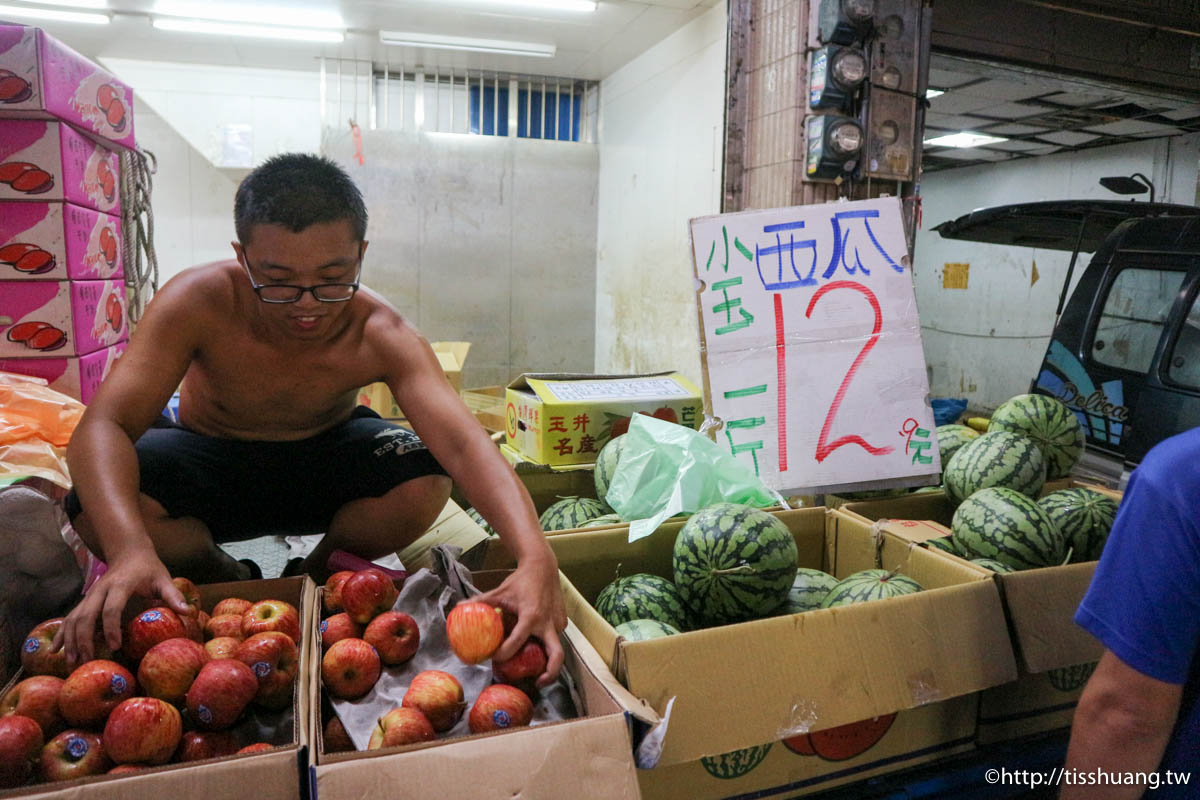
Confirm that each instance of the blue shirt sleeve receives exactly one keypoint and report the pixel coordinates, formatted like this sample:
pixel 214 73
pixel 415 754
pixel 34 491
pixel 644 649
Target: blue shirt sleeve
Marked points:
pixel 1144 600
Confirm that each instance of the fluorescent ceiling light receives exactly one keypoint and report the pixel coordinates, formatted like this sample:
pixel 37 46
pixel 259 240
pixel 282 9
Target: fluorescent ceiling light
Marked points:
pixel 964 139
pixel 71 3
pixel 242 29
pixel 54 14
pixel 932 93
pixel 250 12
pixel 436 42
pixel 553 5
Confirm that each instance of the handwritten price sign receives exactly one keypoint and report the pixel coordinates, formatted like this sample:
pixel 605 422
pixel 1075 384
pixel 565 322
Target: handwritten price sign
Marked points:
pixel 812 346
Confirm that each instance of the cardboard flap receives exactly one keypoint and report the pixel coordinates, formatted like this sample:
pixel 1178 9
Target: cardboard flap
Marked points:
pixel 1042 604
pixel 522 381
pixel 452 526
pixel 933 506
pixel 596 665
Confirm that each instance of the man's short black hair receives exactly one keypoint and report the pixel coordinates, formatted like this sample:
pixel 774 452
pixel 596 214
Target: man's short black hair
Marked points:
pixel 296 190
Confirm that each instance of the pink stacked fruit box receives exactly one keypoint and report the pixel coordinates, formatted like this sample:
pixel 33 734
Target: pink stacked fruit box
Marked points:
pixel 76 376
pixel 58 241
pixel 42 160
pixel 42 78
pixel 40 319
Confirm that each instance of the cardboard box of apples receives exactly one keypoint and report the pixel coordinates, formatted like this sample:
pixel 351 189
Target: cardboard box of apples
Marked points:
pixel 213 702
pixel 407 688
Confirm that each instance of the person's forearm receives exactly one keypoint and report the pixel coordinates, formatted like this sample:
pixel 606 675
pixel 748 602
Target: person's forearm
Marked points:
pixel 104 470
pixel 1112 739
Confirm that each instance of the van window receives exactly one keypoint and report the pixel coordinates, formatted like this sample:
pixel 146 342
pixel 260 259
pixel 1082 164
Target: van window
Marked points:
pixel 1134 314
pixel 1183 365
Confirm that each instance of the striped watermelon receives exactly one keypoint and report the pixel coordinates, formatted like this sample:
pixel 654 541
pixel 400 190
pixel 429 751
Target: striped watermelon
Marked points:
pixel 606 465
pixel 733 563
pixel 997 458
pixel 1006 525
pixel 639 630
pixel 602 521
pixel 642 596
pixel 571 512
pixel 480 521
pixel 808 590
pixel 992 564
pixel 870 584
pixel 1052 426
pixel 951 438
pixel 1083 517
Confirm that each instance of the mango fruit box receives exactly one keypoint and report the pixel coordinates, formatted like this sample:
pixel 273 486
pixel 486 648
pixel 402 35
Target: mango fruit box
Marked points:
pixel 59 241
pixel 74 376
pixel 566 418
pixel 271 775
pixel 740 686
pixel 52 161
pixel 590 756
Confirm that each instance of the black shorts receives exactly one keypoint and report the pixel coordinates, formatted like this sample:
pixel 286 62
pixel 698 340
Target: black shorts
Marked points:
pixel 242 489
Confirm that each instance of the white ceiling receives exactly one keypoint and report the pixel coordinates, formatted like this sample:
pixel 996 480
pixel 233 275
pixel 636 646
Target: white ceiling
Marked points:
pixel 591 45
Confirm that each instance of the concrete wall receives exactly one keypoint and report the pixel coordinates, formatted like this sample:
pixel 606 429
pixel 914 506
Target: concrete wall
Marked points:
pixel 192 199
pixel 986 342
pixel 661 126
pixel 486 239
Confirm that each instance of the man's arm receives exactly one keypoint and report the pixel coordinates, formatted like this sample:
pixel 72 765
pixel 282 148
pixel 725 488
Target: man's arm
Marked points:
pixel 460 445
pixel 1122 724
pixel 104 467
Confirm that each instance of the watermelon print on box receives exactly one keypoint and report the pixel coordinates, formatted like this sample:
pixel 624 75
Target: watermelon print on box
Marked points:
pixel 60 318
pixel 59 241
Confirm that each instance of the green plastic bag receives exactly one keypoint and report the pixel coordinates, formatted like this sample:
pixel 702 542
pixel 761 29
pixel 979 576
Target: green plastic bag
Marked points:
pixel 666 469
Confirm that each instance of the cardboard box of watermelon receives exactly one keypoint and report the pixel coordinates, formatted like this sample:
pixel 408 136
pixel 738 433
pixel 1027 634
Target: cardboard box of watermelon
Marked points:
pixel 777 674
pixel 498 754
pixel 249 706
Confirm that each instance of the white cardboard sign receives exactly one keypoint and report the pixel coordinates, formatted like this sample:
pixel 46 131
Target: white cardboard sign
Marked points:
pixel 812 346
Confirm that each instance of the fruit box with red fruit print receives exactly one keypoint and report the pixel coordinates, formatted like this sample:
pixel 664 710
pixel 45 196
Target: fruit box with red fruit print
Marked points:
pixel 783 675
pixel 53 161
pixel 591 754
pixel 74 376
pixel 271 773
pixel 41 77
pixel 565 418
pixel 47 319
pixel 59 241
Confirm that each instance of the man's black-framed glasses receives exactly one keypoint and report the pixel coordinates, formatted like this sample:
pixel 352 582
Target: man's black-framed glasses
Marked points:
pixel 290 293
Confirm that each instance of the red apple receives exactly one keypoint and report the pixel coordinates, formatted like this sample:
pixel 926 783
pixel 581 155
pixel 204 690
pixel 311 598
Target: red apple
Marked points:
pixel 143 730
pixel 271 615
pixel 438 695
pixel 395 635
pixel 127 769
pixel 36 698
pixel 332 597
pixel 199 745
pixel 224 625
pixel 350 668
pixel 475 630
pixel 257 747
pixel 231 605
pixel 36 658
pixel 523 669
pixel 276 663
pixel 73 754
pixel 20 744
pixel 92 691
pixel 191 595
pixel 368 593
pixel 500 706
pixel 221 693
pixel 339 627
pixel 193 627
pixel 401 726
pixel 336 738
pixel 168 669
pixel 148 629
pixel 222 647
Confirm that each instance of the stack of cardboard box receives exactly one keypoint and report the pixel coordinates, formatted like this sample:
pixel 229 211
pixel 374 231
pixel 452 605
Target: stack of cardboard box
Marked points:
pixel 62 293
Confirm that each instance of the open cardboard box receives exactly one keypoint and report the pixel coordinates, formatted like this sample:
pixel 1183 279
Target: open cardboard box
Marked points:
pixel 590 756
pixel 773 678
pixel 273 775
pixel 450 355
pixel 1041 603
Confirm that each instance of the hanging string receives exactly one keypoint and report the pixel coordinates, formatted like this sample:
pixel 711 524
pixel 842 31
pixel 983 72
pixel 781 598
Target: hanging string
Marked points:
pixel 137 225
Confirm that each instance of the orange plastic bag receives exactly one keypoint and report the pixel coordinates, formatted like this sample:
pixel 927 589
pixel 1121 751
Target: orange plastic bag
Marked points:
pixel 36 424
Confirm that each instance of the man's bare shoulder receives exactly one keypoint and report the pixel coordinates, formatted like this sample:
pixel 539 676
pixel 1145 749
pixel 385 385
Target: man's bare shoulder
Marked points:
pixel 201 288
pixel 384 325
